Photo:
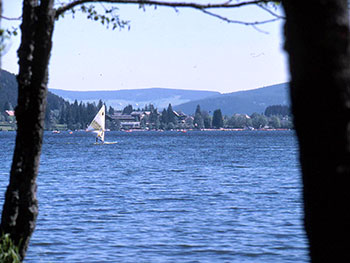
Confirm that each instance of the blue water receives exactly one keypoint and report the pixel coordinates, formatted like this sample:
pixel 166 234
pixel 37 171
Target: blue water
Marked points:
pixel 167 197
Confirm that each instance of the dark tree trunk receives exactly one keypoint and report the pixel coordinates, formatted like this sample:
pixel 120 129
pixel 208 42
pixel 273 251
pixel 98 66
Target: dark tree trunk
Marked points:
pixel 317 40
pixel 21 207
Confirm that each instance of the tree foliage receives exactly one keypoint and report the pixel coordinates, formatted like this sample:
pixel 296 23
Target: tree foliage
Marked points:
pixel 170 114
pixel 8 250
pixel 239 121
pixel 198 121
pixel 128 109
pixel 258 120
pixel 218 121
pixel 8 89
pixel 277 110
pixel 111 110
pixel 164 117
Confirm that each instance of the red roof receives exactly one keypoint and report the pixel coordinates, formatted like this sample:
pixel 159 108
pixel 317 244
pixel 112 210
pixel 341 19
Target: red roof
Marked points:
pixel 10 112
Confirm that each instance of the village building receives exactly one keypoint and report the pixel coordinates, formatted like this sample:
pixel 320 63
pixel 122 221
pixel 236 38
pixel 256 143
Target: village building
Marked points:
pixel 127 121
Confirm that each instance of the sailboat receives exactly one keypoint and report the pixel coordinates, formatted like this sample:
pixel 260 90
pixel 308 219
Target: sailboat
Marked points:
pixel 98 126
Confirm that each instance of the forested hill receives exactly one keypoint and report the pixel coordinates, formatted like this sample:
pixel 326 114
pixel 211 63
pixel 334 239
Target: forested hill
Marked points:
pixel 9 92
pixel 138 98
pixel 58 111
pixel 8 89
pixel 244 102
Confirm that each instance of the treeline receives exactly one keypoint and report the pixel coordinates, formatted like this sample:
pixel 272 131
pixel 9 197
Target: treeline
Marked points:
pixel 169 119
pixel 277 110
pixel 62 115
pixel 275 117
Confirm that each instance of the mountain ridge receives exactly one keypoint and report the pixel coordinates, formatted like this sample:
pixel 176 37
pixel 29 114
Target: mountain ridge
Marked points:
pixel 159 97
pixel 243 102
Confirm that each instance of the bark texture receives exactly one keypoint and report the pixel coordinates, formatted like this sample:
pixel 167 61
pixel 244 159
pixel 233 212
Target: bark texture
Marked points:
pixel 21 206
pixel 317 41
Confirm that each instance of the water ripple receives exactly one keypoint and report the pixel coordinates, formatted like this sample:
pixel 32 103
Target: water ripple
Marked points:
pixel 167 197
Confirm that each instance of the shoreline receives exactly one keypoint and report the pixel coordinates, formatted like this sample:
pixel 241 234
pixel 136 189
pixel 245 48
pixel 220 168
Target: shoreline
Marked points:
pixel 178 130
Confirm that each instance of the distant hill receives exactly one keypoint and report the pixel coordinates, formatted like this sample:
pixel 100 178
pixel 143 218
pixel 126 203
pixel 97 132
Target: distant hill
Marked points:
pixel 60 114
pixel 8 89
pixel 138 98
pixel 245 102
pixel 9 92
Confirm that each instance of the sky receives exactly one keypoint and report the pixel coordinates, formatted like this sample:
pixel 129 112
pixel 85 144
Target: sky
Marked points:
pixel 183 49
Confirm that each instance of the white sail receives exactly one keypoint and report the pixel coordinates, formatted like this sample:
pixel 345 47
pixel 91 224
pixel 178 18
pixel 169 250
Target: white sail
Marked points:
pixel 98 123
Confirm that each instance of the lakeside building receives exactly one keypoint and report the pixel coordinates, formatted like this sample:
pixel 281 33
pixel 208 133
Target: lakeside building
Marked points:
pixel 127 121
pixel 141 119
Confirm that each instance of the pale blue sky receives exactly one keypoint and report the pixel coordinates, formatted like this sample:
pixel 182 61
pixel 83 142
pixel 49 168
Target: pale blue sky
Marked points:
pixel 163 48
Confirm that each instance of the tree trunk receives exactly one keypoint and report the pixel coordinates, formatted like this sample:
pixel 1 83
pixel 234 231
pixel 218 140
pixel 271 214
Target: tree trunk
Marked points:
pixel 317 41
pixel 21 207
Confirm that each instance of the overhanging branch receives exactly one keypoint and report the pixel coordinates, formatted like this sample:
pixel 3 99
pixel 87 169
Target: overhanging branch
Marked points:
pixel 271 12
pixel 11 18
pixel 255 23
pixel 227 4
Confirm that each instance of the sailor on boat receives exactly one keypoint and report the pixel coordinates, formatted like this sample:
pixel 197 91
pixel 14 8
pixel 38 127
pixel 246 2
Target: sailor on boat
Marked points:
pixel 99 137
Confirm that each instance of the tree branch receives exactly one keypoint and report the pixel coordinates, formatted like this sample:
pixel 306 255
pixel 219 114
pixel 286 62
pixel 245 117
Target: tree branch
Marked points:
pixel 237 21
pixel 198 6
pixel 271 12
pixel 11 18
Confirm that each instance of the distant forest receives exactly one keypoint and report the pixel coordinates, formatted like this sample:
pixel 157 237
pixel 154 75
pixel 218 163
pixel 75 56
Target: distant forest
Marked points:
pixel 63 115
pixel 59 112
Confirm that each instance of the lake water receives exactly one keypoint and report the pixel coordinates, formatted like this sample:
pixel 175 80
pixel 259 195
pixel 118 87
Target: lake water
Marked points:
pixel 226 196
